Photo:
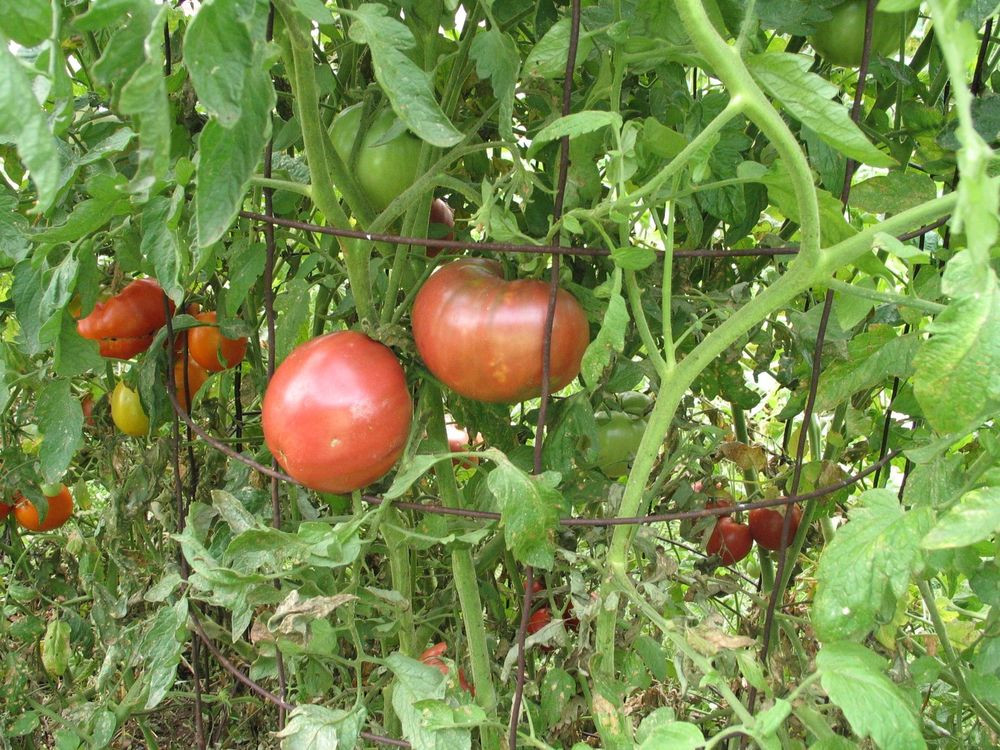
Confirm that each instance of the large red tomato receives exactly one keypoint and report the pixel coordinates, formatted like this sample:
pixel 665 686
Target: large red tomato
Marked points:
pixel 124 325
pixel 482 335
pixel 729 540
pixel 766 523
pixel 337 412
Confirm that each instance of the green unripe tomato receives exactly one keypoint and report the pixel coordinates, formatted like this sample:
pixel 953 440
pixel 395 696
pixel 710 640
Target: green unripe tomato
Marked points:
pixel 617 438
pixel 635 403
pixel 841 39
pixel 382 170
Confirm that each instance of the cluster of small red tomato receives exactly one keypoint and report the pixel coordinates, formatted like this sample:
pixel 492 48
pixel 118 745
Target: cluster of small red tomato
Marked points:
pixel 732 541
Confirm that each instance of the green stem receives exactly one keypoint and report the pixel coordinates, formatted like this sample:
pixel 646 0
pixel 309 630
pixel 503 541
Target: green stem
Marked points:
pixel 291 187
pixel 464 572
pixel 729 68
pixel 297 48
pixel 642 325
pixel 953 660
pixel 932 308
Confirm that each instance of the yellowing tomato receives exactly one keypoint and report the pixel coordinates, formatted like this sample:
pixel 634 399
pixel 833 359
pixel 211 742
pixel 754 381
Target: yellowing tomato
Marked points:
pixel 127 412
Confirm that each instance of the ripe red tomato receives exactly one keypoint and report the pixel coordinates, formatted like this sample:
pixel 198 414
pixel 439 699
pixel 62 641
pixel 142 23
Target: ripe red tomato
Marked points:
pixel 337 412
pixel 730 540
pixel 124 325
pixel 87 404
pixel 383 170
pixel 539 619
pixel 196 377
pixel 211 349
pixel 482 335
pixel 441 213
pixel 60 509
pixel 840 39
pixel 766 523
pixel 5 510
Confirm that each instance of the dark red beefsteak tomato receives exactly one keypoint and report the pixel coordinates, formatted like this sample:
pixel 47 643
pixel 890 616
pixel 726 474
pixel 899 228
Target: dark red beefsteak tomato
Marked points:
pixel 124 325
pixel 337 412
pixel 766 523
pixel 730 540
pixel 482 335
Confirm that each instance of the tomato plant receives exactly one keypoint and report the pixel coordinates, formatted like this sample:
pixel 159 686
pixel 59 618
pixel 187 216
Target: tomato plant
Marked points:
pixel 59 511
pixel 384 170
pixel 745 258
pixel 766 525
pixel 840 39
pixel 127 412
pixel 481 335
pixel 617 437
pixel 730 540
pixel 124 325
pixel 210 349
pixel 337 439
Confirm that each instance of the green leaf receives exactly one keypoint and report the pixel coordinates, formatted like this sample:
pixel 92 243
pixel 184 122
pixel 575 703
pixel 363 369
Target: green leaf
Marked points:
pixel 867 567
pixel 547 58
pixel 74 354
pixel 144 97
pixel 410 89
pixel 855 680
pixel 558 688
pixel 24 123
pixel 219 54
pixel 497 58
pixel 809 99
pixel 660 729
pixel 893 193
pixel 292 307
pixel 159 245
pixel 313 727
pixel 569 440
pixel 632 257
pixel 415 686
pixel 27 22
pixel 86 217
pixel 957 370
pixel 975 517
pixel 872 358
pixel 576 124
pixel 161 650
pixel 60 420
pixel 530 507
pixel 227 158
pixel 611 338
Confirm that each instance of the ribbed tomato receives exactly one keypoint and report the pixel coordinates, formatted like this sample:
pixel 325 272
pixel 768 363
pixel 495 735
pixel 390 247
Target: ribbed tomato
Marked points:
pixel 336 414
pixel 766 523
pixel 731 541
pixel 124 325
pixel 482 335
pixel 60 509
pixel 211 349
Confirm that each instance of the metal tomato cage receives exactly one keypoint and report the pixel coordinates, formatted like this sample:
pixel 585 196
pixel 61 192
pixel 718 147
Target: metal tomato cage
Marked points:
pixel 268 221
